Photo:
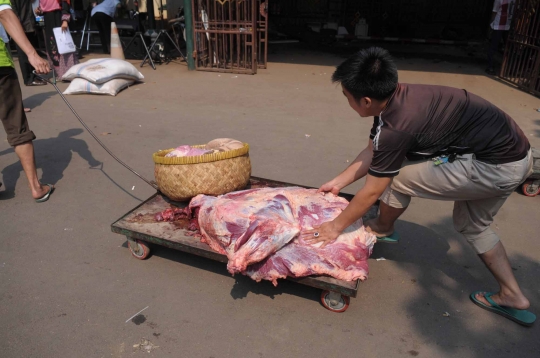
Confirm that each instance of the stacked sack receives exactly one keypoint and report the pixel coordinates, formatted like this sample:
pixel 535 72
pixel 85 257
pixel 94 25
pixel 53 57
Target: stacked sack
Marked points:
pixel 101 76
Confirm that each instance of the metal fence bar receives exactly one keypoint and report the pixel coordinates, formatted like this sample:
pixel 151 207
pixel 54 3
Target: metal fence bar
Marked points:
pixel 521 61
pixel 262 33
pixel 254 34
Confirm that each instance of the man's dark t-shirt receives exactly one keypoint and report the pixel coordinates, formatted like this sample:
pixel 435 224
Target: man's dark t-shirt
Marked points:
pixel 425 121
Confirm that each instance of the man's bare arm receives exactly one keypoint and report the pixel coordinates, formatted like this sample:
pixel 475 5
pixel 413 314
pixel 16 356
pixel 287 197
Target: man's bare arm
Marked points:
pixel 359 205
pixel 11 23
pixel 357 170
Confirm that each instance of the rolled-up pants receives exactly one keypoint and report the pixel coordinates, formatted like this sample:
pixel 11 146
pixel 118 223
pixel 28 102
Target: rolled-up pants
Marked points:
pixel 12 110
pixel 478 190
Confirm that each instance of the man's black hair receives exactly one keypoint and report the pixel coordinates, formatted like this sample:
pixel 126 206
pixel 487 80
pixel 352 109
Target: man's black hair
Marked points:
pixel 368 73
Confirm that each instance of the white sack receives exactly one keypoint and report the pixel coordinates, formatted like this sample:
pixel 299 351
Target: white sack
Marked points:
pixel 82 86
pixel 101 70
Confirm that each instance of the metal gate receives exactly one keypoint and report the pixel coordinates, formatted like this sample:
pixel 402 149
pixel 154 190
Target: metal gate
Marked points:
pixel 262 30
pixel 521 63
pixel 230 35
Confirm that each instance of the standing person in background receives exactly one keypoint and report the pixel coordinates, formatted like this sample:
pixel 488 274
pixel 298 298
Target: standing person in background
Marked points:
pixel 501 17
pixel 23 9
pixel 56 13
pixel 103 15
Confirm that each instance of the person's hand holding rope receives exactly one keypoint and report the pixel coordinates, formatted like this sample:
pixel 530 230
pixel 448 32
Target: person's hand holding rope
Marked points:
pixel 42 66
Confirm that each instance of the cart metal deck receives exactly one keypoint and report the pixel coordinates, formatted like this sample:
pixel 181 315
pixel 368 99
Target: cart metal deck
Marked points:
pixel 141 229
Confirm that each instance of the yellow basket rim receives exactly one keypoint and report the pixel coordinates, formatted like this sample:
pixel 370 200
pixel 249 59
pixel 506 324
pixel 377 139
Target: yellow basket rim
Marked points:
pixel 159 157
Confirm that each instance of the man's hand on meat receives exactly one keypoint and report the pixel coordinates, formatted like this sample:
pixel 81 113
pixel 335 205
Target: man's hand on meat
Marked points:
pixel 362 201
pixel 331 187
pixel 356 170
pixel 326 233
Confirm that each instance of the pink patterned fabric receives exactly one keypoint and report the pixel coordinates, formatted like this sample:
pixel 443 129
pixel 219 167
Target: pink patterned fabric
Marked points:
pixel 65 63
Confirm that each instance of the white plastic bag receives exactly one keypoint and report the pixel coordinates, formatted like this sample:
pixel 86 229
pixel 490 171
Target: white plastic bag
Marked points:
pixel 101 70
pixel 82 86
pixel 64 41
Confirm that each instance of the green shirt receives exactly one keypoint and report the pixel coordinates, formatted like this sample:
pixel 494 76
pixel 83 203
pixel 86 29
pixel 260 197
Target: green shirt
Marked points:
pixel 5 54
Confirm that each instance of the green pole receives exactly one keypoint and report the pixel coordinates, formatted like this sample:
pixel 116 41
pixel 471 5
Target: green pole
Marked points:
pixel 188 18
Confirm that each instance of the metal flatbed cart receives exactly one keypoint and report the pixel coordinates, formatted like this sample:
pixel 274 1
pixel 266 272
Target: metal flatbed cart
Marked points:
pixel 141 230
pixel 531 187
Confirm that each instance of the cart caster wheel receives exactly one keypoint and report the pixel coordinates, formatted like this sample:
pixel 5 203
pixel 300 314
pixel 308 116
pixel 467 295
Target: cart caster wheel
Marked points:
pixel 334 301
pixel 530 189
pixel 141 251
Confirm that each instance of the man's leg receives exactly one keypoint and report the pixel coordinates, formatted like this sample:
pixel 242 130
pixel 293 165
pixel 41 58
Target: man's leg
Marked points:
pixel 26 68
pixel 393 202
pixel 383 225
pixel 510 294
pixel 99 21
pixel 107 20
pixel 16 126
pixel 477 200
pixel 473 219
pixel 25 152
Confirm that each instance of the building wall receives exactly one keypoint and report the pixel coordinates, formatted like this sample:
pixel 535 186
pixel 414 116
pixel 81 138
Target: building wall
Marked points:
pixel 446 19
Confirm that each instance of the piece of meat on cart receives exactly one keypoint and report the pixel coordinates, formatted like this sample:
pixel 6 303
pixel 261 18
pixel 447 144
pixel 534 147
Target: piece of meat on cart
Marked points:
pixel 258 230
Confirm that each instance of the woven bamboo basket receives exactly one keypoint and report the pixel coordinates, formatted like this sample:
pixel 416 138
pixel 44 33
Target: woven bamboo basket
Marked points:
pixel 182 178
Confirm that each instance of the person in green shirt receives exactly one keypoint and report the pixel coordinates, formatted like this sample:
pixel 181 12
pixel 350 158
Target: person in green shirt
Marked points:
pixel 12 114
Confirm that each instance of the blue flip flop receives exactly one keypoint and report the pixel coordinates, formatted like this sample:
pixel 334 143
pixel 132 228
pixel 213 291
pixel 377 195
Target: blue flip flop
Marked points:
pixel 45 197
pixel 523 317
pixel 390 239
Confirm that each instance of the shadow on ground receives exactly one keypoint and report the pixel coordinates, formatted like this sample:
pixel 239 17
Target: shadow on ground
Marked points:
pixel 37 99
pixel 53 156
pixel 446 280
pixel 242 284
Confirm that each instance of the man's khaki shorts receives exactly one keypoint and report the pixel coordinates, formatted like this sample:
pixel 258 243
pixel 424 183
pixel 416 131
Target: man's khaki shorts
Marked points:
pixel 478 190
pixel 11 108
